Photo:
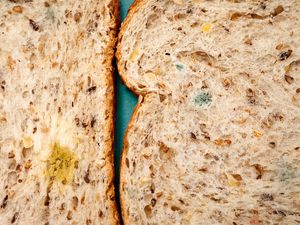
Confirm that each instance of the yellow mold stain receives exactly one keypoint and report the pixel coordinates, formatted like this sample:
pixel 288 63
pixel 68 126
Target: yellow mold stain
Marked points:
pixel 61 164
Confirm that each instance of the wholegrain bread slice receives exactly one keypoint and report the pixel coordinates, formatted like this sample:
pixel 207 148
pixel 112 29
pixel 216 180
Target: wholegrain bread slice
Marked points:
pixel 215 137
pixel 57 112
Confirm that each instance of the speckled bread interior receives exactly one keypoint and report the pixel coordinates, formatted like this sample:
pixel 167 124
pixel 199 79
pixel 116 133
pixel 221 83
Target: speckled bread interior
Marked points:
pixel 215 138
pixel 56 112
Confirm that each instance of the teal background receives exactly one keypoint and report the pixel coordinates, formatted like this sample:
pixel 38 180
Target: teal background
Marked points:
pixel 126 102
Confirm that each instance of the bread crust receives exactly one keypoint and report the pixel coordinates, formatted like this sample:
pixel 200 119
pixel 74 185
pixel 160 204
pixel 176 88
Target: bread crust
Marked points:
pixel 137 5
pixel 132 10
pixel 123 157
pixel 110 101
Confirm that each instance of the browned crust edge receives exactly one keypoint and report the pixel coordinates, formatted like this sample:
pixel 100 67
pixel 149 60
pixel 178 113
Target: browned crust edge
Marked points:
pixel 114 10
pixel 132 10
pixel 123 157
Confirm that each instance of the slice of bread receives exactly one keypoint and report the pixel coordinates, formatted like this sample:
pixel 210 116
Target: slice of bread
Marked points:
pixel 215 138
pixel 57 112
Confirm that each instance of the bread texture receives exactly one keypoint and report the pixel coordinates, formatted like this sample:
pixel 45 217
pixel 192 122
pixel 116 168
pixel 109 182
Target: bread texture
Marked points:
pixel 215 137
pixel 57 112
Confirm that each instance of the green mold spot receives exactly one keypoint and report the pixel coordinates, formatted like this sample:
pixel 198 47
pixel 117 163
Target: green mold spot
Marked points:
pixel 203 98
pixel 179 67
pixel 61 164
pixel 287 172
pixel 50 14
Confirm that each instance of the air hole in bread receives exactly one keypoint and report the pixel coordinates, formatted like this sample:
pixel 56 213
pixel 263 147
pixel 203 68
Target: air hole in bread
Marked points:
pixel 165 153
pixel 175 208
pixel 75 202
pixel 141 86
pixel 12 164
pixel 100 214
pixel 69 215
pixel 26 152
pixel 153 202
pixel 152 170
pixel 152 20
pixel 152 188
pixel 12 178
pixel 127 162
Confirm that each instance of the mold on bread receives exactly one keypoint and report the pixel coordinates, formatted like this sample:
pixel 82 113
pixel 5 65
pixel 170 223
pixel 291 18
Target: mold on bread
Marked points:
pixel 57 111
